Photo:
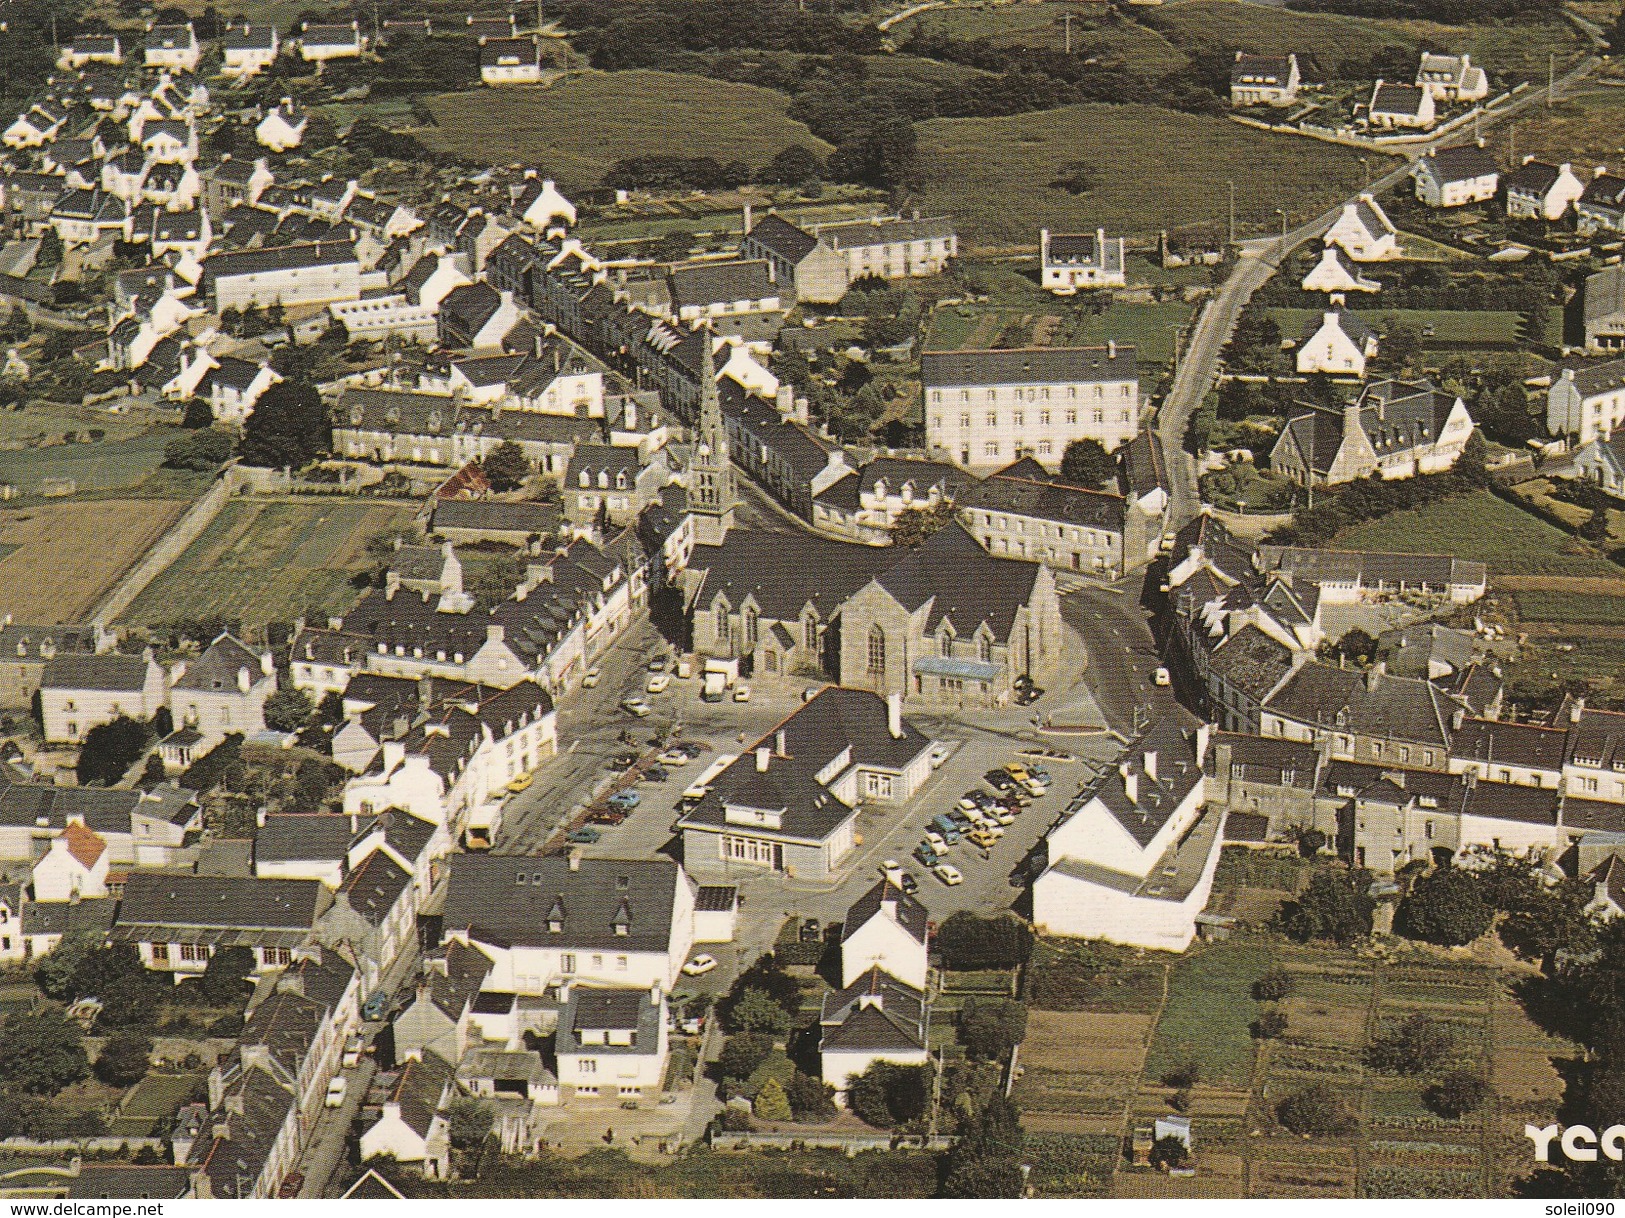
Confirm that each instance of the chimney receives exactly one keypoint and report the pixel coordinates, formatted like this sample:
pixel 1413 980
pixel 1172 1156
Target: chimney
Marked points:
pixel 575 860
pixel 259 818
pixel 894 715
pixel 785 400
pixel 1111 348
pixel 1351 423
pixel 1150 762
pixel 1131 784
pixel 762 754
pixel 244 681
pixel 493 633
pixel 654 990
pixel 778 740
pixel 1577 709
pixel 1203 733
pixel 1457 717
pixel 747 233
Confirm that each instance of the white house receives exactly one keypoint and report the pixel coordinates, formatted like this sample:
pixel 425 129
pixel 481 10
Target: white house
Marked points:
pixel 542 205
pixel 1069 261
pixel 611 1044
pixel 1586 401
pixel 877 1018
pixel 174 47
pixel 35 126
pixel 511 61
pixel 1452 78
pixel 1455 177
pixel 223 690
pixel 78 692
pixel 1335 273
pixel 1264 80
pixel 90 48
pixel 413 1126
pixel 1132 860
pixel 1400 107
pixel 548 919
pixel 1338 343
pixel 74 867
pixel 885 929
pixel 233 388
pixel 248 50
pixel 283 126
pixel 320 43
pixel 1537 190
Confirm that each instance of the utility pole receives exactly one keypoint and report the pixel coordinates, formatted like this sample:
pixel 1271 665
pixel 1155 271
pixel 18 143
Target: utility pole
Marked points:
pixel 1280 212
pixel 1232 185
pixel 1066 20
pixel 1512 143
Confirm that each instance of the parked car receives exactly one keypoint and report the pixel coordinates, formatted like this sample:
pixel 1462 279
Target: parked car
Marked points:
pixel 658 683
pixel 658 664
pixel 354 1047
pixel 893 871
pixel 936 841
pixel 961 821
pixel 623 761
pixel 948 874
pixel 636 706
pixel 975 799
pixel 741 693
pixel 673 757
pixel 584 836
pixel 939 754
pixel 1001 815
pixel 948 827
pixel 1040 775
pixel 928 857
pixel 691 749
pixel 594 675
pixel 810 931
pixel 655 773
pixel 522 783
pixel 337 1089
pixel 700 965
pixel 1161 677
pixel 624 799
pixel 999 780
pixel 375 1007
pixel 909 884
pixel 981 837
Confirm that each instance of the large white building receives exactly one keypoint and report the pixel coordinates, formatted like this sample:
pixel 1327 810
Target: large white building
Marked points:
pixel 1587 401
pixel 987 408
pixel 1132 860
pixel 317 272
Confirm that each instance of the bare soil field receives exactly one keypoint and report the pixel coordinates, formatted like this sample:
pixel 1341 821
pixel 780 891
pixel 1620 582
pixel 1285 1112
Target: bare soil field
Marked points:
pixel 64 557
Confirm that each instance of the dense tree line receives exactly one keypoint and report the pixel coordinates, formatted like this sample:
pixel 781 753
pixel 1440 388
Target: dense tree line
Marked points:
pixel 1448 12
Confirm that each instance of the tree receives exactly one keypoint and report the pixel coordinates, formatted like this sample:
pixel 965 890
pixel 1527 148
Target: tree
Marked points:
pixel 754 1011
pixel 506 468
pixel 914 525
pixel 812 1100
pixel 966 941
pixel 41 1054
pixel 1336 905
pixel 1471 468
pixel 225 975
pixel 205 450
pixel 991 1030
pixel 125 1059
pixel 1273 986
pixel 1401 343
pixel 1595 528
pixel 493 582
pixel 1087 463
pixel 1444 907
pixel 771 1103
pixel 741 1054
pixel 768 976
pixel 1413 1046
pixel 56 972
pixel 1183 1076
pixel 109 749
pixel 987 1160
pixel 1315 1112
pixel 1269 1025
pixel 1456 1094
pixel 288 710
pixel 887 1095
pixel 289 427
pixel 50 249
pixel 468 1124
pixel 1169 1152
pixel 792 166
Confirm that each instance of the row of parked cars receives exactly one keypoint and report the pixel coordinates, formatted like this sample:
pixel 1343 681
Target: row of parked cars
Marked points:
pixel 980 817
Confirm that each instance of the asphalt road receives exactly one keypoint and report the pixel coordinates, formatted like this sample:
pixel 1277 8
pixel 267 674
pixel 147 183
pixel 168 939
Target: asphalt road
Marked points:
pixel 1260 259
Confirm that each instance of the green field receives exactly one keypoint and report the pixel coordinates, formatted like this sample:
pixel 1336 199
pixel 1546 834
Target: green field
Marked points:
pixel 1493 329
pixel 1150 169
pixel 104 465
pixel 1580 608
pixel 1209 1010
pixel 263 561
pixel 1479 527
pixel 1271 31
pixel 149 1106
pixel 1149 327
pixel 578 129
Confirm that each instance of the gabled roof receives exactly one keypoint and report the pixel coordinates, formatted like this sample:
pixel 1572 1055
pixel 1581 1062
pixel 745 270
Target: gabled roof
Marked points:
pixel 782 238
pixel 163 898
pixel 1027 366
pixel 113 673
pixel 85 845
pixel 1532 177
pixel 217 669
pixel 1391 98
pixel 876 1013
pixel 710 283
pixel 885 899
pixel 1462 163
pixel 514 899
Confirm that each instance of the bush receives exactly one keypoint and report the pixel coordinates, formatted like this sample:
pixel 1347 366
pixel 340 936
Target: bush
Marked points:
pixel 1456 1094
pixel 205 450
pixel 991 1030
pixel 288 710
pixel 887 1095
pixel 1273 986
pixel 741 1054
pixel 1269 1026
pixel 1183 1077
pixel 1445 907
pixel 109 749
pixel 1169 1152
pixel 125 1059
pixel 812 1100
pixel 754 1011
pixel 771 1102
pixel 966 941
pixel 1337 906
pixel 42 1054
pixel 1315 1112
pixel 1412 1047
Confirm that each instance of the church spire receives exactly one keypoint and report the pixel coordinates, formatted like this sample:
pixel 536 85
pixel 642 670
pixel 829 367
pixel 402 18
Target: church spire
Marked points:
pixel 711 490
pixel 712 432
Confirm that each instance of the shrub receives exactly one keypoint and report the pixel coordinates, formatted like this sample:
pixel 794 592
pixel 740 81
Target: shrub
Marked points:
pixel 1412 1047
pixel 992 1030
pixel 1273 986
pixel 1315 1112
pixel 1456 1094
pixel 1337 906
pixel 741 1054
pixel 812 1100
pixel 1269 1025
pixel 1183 1077
pixel 966 941
pixel 772 1104
pixel 125 1059
pixel 1446 907
pixel 887 1095
pixel 1169 1152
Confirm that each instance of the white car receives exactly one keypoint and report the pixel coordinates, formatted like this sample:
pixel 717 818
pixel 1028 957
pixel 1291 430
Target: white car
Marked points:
pixel 936 841
pixel 636 706
pixel 658 683
pixel 337 1090
pixel 592 678
pixel 741 693
pixel 1002 816
pixel 673 757
pixel 939 754
pixel 1161 677
pixel 353 1049
pixel 700 966
pixel 948 874
pixel 893 871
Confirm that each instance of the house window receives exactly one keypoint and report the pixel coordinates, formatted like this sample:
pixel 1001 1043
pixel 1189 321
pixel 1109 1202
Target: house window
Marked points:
pixel 1044 448
pixel 984 649
pixel 1072 416
pixel 1043 415
pixel 877 786
pixel 597 964
pixel 964 420
pixel 992 418
pixel 877 650
pixel 589 1065
pixel 991 448
pixel 192 953
pixel 1020 419
pixel 809 635
pixel 567 963
pixel 160 953
pixel 276 957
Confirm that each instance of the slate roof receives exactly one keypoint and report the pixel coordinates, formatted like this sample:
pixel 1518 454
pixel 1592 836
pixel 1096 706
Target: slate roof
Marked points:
pixel 303 837
pixel 486 898
pixel 1372 704
pixel 68 917
pixel 1532 178
pixel 962 582
pixel 1252 661
pixel 1178 770
pixel 1266 759
pixel 1082 249
pixel 876 1013
pixel 419 1088
pixel 1391 98
pixel 216 670
pixel 164 898
pixel 609 1011
pixel 893 230
pixel 907 911
pixel 710 283
pixel 782 238
pixel 1605 191
pixel 538 518
pixel 25 643
pixel 1604 295
pixel 1462 163
pixel 129 1181
pixel 1027 366
pixel 374 886
pixel 1371 567
pixel 1261 69
pixel 1051 501
pixel 113 673
pixel 1592 377
pixel 786 571
pixel 302 256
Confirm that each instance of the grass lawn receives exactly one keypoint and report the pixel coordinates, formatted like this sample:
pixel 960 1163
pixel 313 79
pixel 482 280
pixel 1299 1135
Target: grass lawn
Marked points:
pixel 1449 326
pixel 263 561
pixel 578 129
pixel 149 1105
pixel 1149 327
pixel 104 465
pixel 998 176
pixel 1208 1012
pixel 1272 31
pixel 1481 527
pixel 1597 663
